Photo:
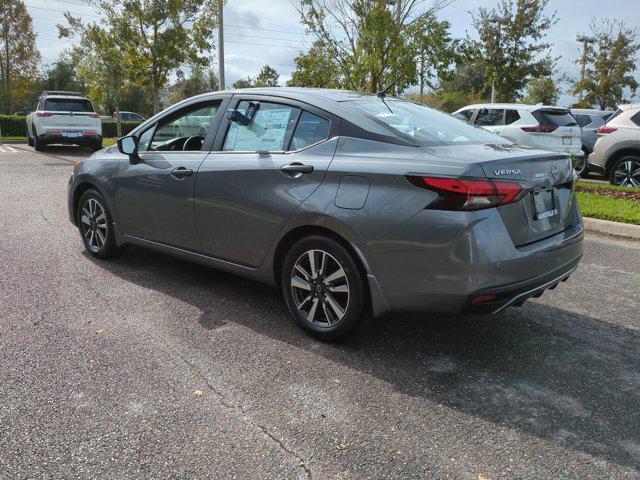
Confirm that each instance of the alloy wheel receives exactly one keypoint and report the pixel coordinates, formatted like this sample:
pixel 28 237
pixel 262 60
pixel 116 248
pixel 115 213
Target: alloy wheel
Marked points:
pixel 320 288
pixel 627 174
pixel 94 225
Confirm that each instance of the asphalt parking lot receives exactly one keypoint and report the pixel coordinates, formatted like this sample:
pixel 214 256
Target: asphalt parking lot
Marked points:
pixel 148 366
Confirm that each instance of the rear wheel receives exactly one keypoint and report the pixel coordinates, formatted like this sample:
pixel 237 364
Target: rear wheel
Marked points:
pixel 323 287
pixel 625 172
pixel 38 145
pixel 95 225
pixel 582 167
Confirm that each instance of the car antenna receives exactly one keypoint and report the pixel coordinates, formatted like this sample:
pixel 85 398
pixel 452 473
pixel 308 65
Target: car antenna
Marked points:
pixel 383 93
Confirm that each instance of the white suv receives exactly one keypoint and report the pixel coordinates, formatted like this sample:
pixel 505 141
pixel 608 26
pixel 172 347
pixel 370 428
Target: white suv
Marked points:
pixel 539 126
pixel 64 117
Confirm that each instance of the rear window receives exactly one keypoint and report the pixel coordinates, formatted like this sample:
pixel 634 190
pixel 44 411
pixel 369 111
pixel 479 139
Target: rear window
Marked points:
pixel 421 124
pixel 559 118
pixel 636 119
pixel 67 105
pixel 583 120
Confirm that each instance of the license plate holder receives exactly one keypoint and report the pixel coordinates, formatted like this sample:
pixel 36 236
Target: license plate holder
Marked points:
pixel 544 203
pixel 566 140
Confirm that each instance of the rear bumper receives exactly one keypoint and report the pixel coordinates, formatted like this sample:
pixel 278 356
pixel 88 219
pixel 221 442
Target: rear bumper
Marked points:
pixel 71 137
pixel 517 293
pixel 440 261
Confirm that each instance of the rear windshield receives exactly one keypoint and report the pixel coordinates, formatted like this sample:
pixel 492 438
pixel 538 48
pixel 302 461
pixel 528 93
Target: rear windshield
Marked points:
pixel 560 118
pixel 67 105
pixel 421 124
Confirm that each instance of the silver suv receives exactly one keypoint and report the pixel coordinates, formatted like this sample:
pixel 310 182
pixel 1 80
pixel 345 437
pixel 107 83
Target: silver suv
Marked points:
pixel 616 154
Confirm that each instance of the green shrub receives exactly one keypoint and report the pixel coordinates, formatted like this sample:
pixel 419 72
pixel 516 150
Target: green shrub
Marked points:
pixel 13 125
pixel 109 128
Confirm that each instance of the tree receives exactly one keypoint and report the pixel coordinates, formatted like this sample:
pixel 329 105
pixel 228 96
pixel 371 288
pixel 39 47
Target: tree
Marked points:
pixel 243 83
pixel 436 50
pixel 19 58
pixel 315 69
pixel 158 37
pixel 199 80
pixel 543 90
pixel 62 74
pixel 268 77
pixel 369 40
pixel 611 64
pixel 512 45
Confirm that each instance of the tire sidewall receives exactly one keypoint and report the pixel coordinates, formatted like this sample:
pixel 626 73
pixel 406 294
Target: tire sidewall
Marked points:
pixel 617 163
pixel 109 247
pixel 355 308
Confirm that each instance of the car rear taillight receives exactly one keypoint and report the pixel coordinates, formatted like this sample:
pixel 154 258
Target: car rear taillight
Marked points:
pixel 92 115
pixel 469 193
pixel 45 114
pixel 604 129
pixel 541 128
pixel 88 132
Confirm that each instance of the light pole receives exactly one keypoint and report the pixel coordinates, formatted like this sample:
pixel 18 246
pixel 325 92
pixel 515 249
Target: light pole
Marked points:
pixel 220 46
pixel 498 21
pixel 585 42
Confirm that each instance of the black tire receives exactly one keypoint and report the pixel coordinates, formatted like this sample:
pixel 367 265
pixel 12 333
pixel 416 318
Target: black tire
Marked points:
pixel 326 290
pixel 29 139
pixel 96 233
pixel 632 178
pixel 582 168
pixel 38 145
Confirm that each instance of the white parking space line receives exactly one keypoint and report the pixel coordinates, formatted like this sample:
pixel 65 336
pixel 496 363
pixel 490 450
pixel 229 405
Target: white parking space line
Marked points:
pixel 7 149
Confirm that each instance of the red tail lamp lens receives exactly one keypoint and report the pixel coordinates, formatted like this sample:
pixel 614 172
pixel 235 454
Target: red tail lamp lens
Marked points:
pixel 540 128
pixel 469 194
pixel 605 129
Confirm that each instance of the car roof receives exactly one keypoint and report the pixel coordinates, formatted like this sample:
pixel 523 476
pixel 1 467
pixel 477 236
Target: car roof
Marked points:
pixel 62 94
pixel 628 106
pixel 514 106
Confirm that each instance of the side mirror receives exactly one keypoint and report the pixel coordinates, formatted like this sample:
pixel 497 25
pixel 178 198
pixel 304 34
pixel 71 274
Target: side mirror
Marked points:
pixel 129 146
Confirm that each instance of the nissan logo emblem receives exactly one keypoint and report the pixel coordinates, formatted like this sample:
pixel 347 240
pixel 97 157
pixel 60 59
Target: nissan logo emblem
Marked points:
pixel 554 171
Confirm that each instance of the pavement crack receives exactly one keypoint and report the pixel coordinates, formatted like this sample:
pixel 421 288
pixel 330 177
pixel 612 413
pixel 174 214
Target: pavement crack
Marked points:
pixel 197 371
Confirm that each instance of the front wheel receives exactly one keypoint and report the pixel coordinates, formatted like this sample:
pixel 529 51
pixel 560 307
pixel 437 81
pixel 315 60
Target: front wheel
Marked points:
pixel 323 287
pixel 625 172
pixel 95 225
pixel 582 167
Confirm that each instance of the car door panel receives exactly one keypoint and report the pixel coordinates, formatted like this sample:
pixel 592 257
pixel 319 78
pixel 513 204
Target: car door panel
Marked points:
pixel 154 194
pixel 243 199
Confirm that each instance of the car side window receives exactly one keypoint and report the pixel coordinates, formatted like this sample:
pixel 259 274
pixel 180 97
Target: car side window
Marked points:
pixel 269 130
pixel 310 129
pixel 511 116
pixel 583 120
pixel 489 117
pixel 172 133
pixel 145 139
pixel 636 119
pixel 464 115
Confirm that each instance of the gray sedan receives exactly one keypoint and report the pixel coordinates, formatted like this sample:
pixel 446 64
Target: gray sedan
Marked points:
pixel 349 203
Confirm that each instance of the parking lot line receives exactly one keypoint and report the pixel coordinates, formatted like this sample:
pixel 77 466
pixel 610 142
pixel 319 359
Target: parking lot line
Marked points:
pixel 7 149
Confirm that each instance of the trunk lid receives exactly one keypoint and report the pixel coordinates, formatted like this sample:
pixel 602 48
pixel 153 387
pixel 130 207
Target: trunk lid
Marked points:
pixel 549 176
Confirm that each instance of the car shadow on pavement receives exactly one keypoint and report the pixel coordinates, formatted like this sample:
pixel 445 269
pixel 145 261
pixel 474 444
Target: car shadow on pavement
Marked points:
pixel 59 152
pixel 564 377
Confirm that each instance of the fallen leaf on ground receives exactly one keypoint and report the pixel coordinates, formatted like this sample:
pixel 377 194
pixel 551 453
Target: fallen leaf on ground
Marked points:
pixel 199 393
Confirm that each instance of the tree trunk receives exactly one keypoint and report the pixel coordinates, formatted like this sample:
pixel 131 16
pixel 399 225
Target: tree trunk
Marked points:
pixel 118 122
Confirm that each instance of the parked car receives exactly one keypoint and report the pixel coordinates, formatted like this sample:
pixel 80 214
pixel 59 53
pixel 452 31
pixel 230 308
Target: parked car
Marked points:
pixel 589 121
pixel 345 201
pixel 539 126
pixel 64 117
pixel 129 117
pixel 616 154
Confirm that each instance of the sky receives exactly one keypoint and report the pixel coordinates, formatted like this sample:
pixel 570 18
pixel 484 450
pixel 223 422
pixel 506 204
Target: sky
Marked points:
pixel 259 32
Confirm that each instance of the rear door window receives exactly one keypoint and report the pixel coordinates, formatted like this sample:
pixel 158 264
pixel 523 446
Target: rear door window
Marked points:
pixel 489 117
pixel 583 120
pixel 67 105
pixel 636 119
pixel 310 129
pixel 559 118
pixel 269 131
pixel 511 116
pixel 464 115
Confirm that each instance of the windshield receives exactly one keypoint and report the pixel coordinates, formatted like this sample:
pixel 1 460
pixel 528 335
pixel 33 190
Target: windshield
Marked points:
pixel 422 124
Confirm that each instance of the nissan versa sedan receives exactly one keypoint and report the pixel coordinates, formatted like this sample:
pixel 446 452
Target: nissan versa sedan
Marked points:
pixel 351 204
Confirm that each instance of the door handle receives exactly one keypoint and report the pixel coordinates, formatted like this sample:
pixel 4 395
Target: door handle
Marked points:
pixel 296 169
pixel 181 172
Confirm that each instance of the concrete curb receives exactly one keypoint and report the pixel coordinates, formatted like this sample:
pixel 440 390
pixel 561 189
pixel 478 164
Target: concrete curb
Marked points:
pixel 617 229
pixel 14 142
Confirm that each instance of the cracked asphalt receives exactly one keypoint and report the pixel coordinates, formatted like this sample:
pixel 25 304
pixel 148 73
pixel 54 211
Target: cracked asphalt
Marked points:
pixel 102 364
